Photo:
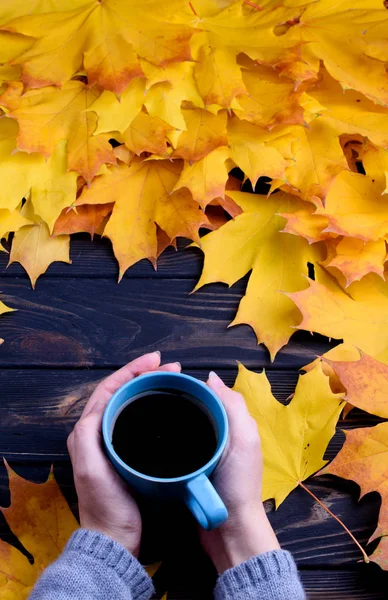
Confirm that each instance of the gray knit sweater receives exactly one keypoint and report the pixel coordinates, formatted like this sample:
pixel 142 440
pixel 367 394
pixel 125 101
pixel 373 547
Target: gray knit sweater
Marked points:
pixel 94 567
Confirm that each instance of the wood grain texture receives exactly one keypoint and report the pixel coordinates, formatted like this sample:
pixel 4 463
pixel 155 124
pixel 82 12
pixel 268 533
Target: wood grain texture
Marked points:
pixel 39 408
pixel 34 401
pixel 96 259
pixel 304 528
pixel 84 322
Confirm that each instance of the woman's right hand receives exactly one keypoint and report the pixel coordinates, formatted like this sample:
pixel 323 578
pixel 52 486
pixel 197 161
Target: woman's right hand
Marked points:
pixel 238 480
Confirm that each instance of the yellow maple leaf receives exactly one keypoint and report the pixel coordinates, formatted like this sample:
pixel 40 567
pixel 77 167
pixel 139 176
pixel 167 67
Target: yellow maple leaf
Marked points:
pixel 5 309
pixel 117 114
pixel 270 99
pixel 365 381
pixel 243 28
pixel 147 134
pixel 18 170
pixel 217 74
pixel 42 521
pixel 254 241
pixel 294 438
pixel 363 459
pixel 359 316
pixel 19 8
pixel 254 150
pixel 205 132
pixel 342 352
pixel 50 115
pixel 308 224
pixel 356 207
pixel 350 112
pixel 355 258
pixel 35 249
pixel 107 37
pixel 317 158
pixel 88 218
pixel 11 221
pixel 167 88
pixel 334 33
pixel 206 178
pixel 54 188
pixel 143 196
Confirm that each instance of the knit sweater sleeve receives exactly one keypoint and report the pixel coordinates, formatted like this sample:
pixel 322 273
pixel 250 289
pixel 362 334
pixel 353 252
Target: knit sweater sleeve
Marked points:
pixel 269 576
pixel 93 567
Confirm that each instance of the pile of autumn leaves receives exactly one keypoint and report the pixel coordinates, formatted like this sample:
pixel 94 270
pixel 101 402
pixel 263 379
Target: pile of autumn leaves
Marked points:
pixel 124 118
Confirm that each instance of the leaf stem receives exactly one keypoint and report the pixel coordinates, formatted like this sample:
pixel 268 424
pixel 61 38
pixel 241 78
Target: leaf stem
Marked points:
pixel 253 4
pixel 364 554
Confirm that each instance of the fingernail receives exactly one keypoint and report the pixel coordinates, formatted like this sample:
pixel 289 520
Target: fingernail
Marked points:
pixel 178 363
pixel 158 352
pixel 214 377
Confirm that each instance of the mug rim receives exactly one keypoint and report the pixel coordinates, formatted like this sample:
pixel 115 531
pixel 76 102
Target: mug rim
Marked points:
pixel 108 442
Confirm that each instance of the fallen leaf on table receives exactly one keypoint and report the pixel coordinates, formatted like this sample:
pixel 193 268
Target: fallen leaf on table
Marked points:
pixel 147 134
pixel 363 458
pixel 254 241
pixel 294 438
pixel 217 74
pixel 151 569
pixel 350 112
pixel 366 383
pixel 55 188
pixel 306 223
pixel 48 115
pixel 35 249
pixel 41 519
pixel 116 114
pixel 205 132
pixel 254 150
pixel 206 179
pixel 317 158
pixel 143 196
pixel 359 316
pixel 270 100
pixel 168 88
pixel 356 207
pixel 4 309
pixel 86 218
pixel 327 32
pixel 342 352
pixel 106 38
pixel 356 258
pixel 11 221
pixel 18 170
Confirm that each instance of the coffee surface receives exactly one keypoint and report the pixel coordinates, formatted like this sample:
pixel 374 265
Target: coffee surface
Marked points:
pixel 164 433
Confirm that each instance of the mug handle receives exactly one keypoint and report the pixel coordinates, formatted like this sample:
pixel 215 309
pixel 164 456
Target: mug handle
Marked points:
pixel 205 504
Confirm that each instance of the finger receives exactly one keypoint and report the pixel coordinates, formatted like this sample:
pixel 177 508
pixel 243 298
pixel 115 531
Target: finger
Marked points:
pixel 175 367
pixel 103 392
pixel 87 451
pixel 100 404
pixel 234 403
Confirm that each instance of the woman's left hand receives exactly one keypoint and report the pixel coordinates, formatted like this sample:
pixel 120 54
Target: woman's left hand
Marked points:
pixel 105 502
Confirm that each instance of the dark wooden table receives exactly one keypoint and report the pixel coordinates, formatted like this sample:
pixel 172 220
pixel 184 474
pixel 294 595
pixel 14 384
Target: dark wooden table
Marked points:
pixel 79 325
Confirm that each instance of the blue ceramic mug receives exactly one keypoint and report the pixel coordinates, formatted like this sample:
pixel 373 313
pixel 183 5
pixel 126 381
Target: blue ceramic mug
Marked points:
pixel 195 488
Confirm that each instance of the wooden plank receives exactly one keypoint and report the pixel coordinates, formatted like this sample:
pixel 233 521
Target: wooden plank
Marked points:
pixel 39 408
pixel 303 527
pixel 96 259
pixel 35 400
pixel 86 322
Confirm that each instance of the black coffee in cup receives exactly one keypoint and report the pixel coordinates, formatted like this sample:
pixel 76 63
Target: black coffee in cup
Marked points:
pixel 164 433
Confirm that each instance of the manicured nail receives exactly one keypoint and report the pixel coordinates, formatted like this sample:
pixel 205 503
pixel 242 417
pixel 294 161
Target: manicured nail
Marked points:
pixel 158 352
pixel 214 377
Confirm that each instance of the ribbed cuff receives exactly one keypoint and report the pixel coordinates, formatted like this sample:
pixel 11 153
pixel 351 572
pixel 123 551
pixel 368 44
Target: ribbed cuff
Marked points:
pixel 115 556
pixel 272 575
